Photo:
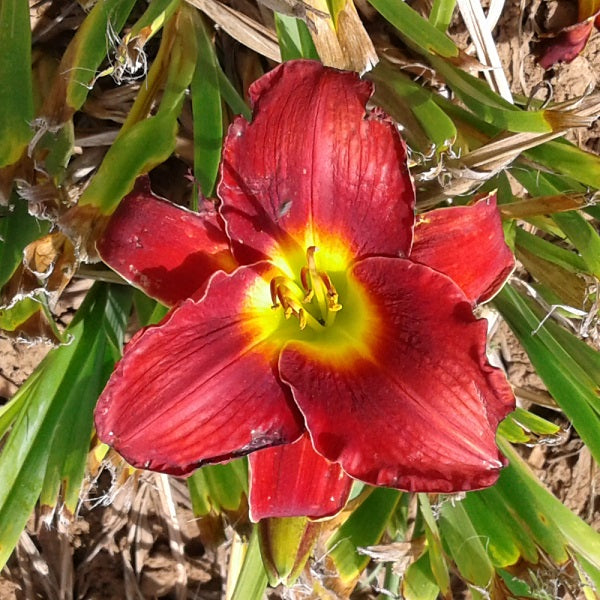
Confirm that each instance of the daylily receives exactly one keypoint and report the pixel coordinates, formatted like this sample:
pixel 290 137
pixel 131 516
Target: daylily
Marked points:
pixel 311 329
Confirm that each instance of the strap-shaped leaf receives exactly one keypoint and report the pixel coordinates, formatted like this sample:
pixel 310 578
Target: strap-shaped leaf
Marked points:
pixel 144 142
pixel 55 403
pixel 364 527
pixel 16 90
pixel 569 384
pixel 207 111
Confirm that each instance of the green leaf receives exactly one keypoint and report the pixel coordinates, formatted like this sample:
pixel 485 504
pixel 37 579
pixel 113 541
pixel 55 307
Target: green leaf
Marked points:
pixel 571 387
pixel 584 355
pixel 534 423
pixel 364 527
pixel 17 229
pixel 583 236
pixel 511 431
pixel 144 143
pixel 208 116
pixel 554 524
pixel 491 107
pixel 524 427
pixel 66 381
pixel 589 574
pixel 11 318
pixel 567 159
pixel 515 585
pixel 147 144
pixel 441 13
pixel 182 58
pixel 500 527
pixel 550 252
pixel 416 29
pixel 218 488
pixel 148 310
pixel 470 125
pixel 71 440
pixel 89 47
pixel 285 546
pixel 16 89
pixel 465 546
pixel 176 53
pixel 437 560
pixel 579 231
pixel 294 38
pixel 60 147
pixel 232 97
pixel 252 581
pixel 154 17
pixel 567 287
pixel 418 582
pixel 397 94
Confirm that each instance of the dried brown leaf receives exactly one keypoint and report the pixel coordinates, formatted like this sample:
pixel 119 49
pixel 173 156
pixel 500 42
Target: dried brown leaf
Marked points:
pixel 247 31
pixel 341 40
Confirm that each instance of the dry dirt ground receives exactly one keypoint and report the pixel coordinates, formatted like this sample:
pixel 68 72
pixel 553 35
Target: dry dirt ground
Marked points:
pixel 111 544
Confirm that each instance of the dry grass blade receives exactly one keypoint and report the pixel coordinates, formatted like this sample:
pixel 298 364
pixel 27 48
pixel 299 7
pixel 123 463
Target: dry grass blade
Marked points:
pixel 35 571
pixel 481 35
pixel 175 539
pixel 236 558
pixel 543 205
pixel 119 504
pixel 403 553
pixel 341 42
pixel 245 30
pixel 465 173
pixel 139 537
pixel 57 551
pixel 494 13
pixel 537 397
pixel 132 590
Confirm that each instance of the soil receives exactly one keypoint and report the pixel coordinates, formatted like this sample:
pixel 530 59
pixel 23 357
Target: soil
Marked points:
pixel 124 545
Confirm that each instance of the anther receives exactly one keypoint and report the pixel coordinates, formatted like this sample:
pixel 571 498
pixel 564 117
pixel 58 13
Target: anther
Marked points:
pixel 332 295
pixel 314 285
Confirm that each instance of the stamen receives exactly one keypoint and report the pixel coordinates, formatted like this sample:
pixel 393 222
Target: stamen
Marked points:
pixel 314 285
pixel 273 285
pixel 332 295
pixel 305 280
pixel 310 259
pixel 284 301
pixel 284 293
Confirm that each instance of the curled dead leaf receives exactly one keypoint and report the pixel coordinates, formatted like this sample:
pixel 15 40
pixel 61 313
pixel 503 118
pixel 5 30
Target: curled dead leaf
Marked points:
pixel 85 225
pixel 48 265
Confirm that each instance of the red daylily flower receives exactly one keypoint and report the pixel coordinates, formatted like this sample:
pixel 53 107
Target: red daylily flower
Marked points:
pixel 311 329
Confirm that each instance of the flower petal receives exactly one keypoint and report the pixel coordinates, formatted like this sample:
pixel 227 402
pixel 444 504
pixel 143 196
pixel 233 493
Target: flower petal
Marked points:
pixel 294 481
pixel 313 163
pixel 467 244
pixel 165 250
pixel 567 44
pixel 202 386
pixel 416 405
